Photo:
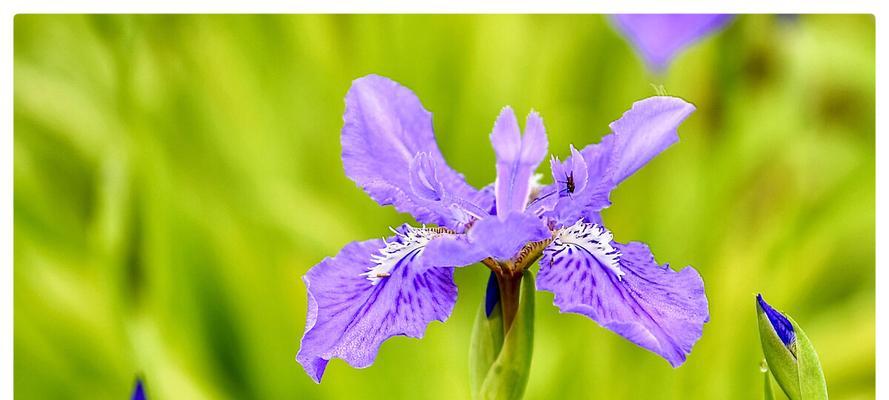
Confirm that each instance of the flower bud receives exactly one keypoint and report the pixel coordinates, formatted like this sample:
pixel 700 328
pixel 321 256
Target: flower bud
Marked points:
pixel 790 356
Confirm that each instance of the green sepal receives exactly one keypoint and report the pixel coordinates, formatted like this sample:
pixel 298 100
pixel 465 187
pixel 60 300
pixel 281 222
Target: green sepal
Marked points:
pixel 484 345
pixel 812 384
pixel 499 365
pixel 798 373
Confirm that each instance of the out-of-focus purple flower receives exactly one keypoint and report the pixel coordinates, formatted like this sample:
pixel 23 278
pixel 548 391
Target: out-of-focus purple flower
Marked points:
pixel 138 391
pixel 659 37
pixel 375 289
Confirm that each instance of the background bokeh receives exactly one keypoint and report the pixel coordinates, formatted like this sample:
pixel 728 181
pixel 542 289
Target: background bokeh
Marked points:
pixel 175 176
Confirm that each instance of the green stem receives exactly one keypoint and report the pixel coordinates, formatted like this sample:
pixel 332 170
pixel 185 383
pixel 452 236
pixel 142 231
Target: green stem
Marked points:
pixel 509 286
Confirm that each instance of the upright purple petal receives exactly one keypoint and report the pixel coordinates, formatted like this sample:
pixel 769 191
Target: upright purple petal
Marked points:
pixel 623 289
pixel 369 292
pixel 589 169
pixel 424 177
pixel 385 128
pixel 641 133
pixel 660 37
pixel 517 158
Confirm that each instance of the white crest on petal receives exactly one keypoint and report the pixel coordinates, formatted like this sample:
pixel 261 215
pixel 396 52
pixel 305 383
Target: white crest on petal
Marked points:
pixel 412 240
pixel 593 238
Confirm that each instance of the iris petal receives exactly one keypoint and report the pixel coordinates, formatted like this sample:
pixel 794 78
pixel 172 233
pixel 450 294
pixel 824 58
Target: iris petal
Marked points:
pixel 385 128
pixel 350 315
pixel 517 158
pixel 647 129
pixel 503 239
pixel 648 304
pixel 641 133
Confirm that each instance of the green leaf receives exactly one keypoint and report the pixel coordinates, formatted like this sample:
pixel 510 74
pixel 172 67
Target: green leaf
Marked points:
pixel 499 365
pixel 799 375
pixel 484 345
pixel 811 378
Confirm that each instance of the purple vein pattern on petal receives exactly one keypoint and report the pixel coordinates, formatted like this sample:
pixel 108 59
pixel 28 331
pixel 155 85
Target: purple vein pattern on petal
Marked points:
pixel 385 128
pixel 660 37
pixel 648 304
pixel 349 316
pixel 517 157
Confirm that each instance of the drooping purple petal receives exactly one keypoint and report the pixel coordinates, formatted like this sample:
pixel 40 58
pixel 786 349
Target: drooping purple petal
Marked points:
pixel 517 157
pixel 641 133
pixel 369 292
pixel 779 322
pixel 385 128
pixel 623 289
pixel 660 37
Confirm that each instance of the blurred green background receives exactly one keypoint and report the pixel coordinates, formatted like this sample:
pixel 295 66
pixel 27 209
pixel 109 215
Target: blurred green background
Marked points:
pixel 175 176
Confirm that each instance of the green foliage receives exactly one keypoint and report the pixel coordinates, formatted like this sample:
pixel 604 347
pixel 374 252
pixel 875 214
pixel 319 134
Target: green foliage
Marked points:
pixel 484 346
pixel 499 365
pixel 175 176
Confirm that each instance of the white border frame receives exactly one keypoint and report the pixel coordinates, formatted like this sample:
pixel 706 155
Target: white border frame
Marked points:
pixel 12 7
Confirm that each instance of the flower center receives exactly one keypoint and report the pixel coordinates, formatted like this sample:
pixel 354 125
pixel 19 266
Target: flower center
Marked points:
pixel 594 239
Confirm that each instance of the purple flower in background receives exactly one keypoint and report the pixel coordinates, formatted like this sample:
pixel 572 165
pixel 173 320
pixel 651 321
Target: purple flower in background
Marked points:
pixel 375 289
pixel 659 37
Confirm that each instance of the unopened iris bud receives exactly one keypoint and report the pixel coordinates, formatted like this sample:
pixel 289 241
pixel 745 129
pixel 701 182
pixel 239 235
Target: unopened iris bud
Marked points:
pixel 790 356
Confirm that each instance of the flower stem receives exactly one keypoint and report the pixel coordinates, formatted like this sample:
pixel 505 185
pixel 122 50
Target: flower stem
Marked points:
pixel 509 285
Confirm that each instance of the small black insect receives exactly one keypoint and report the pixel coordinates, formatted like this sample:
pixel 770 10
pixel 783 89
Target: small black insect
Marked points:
pixel 569 189
pixel 569 183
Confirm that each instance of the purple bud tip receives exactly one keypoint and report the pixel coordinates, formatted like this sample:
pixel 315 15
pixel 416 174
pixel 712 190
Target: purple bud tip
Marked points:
pixel 781 324
pixel 138 391
pixel 492 295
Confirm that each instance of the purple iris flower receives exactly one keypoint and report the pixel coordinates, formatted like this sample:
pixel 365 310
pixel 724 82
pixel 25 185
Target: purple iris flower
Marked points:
pixel 659 37
pixel 375 289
